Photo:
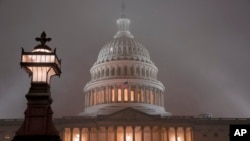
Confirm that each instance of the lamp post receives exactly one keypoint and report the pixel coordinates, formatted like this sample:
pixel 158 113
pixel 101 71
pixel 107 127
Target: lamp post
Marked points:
pixel 41 64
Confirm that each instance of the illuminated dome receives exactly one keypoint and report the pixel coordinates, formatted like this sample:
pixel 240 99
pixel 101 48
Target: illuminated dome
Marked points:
pixel 124 76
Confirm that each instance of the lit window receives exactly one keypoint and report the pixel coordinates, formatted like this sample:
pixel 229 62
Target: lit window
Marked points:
pixel 132 95
pixel 125 94
pixel 113 95
pixel 119 95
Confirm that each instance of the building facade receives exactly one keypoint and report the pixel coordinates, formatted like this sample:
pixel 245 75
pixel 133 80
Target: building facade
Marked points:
pixel 124 101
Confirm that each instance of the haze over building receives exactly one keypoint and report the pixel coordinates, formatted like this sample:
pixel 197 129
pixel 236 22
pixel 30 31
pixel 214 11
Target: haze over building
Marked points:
pixel 201 49
pixel 124 102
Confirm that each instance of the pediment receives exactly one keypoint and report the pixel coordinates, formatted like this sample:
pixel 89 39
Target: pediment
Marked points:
pixel 128 114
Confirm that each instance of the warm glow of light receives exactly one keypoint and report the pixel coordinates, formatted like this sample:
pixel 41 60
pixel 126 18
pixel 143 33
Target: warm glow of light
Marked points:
pixel 7 137
pixel 128 138
pixel 178 139
pixel 132 95
pixel 125 94
pixel 113 95
pixel 119 95
pixel 38 58
pixel 41 74
pixel 41 50
pixel 77 137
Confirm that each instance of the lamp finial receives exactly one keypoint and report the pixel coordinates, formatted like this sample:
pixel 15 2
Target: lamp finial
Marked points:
pixel 43 38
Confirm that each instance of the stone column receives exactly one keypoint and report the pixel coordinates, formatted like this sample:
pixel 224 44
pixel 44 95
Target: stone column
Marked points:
pixel 107 133
pixel 158 98
pixel 80 134
pixel 95 96
pixel 89 130
pixel 162 99
pixel 140 95
pixel 115 133
pixel 122 93
pixel 99 96
pixel 143 95
pixel 133 130
pixel 175 131
pixel 146 95
pixel 191 134
pixel 90 98
pixel 124 133
pixel 136 91
pixel 151 133
pixel 184 132
pixel 106 95
pixel 150 95
pixel 160 134
pixel 109 94
pixel 97 133
pixel 62 134
pixel 155 97
pixel 142 133
pixel 129 93
pixel 167 134
pixel 71 134
pixel 116 94
pixel 87 99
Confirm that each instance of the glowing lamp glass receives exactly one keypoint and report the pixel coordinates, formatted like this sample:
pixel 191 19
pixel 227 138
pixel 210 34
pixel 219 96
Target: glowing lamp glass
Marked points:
pixel 40 64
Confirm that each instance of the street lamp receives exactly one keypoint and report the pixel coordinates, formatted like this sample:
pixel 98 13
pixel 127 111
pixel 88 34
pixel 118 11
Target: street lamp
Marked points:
pixel 41 64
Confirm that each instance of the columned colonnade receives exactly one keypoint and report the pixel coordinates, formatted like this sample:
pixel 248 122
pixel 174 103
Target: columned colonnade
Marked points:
pixel 128 133
pixel 124 93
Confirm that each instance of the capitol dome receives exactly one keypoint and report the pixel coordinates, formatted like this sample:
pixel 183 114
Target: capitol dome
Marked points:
pixel 124 76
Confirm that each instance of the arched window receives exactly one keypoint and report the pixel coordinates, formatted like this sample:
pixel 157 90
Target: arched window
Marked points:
pixel 125 71
pixel 143 72
pixel 107 72
pixel 118 71
pixel 132 71
pixel 113 71
pixel 138 71
pixel 102 75
pixel 147 73
pixel 98 76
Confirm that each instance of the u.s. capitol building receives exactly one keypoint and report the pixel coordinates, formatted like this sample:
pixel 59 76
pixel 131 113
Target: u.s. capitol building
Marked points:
pixel 124 101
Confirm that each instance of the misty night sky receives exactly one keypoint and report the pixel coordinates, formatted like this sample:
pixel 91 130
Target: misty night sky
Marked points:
pixel 201 48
